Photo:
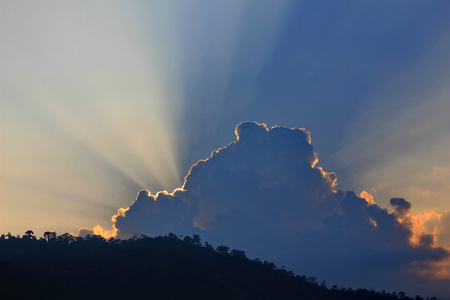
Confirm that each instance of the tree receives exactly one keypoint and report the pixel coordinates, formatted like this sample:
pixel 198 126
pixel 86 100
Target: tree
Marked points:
pixel 29 234
pixel 270 265
pixel 172 236
pixel 66 238
pixel 196 240
pixel 113 241
pixel 222 249
pixel 98 238
pixel 188 239
pixel 48 235
pixel 209 246
pixel 238 253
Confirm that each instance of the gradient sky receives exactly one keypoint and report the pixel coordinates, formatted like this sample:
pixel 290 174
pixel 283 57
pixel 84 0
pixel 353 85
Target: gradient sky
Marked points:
pixel 99 99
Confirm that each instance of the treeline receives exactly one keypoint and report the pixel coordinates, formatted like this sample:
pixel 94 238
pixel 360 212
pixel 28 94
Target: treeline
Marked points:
pixel 163 267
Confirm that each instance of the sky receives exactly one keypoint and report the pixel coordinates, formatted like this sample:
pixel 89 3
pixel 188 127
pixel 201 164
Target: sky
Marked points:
pixel 102 99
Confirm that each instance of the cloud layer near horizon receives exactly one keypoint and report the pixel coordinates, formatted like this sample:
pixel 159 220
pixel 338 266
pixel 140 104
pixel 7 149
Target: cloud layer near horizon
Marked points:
pixel 265 195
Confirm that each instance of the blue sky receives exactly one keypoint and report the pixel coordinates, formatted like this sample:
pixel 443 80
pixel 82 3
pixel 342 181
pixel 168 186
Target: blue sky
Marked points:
pixel 101 99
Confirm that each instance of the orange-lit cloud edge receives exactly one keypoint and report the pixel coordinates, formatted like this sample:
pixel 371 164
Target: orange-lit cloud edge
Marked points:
pixel 425 228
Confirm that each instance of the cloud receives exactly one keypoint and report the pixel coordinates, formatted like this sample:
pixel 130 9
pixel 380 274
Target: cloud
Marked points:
pixel 368 246
pixel 265 194
pixel 97 230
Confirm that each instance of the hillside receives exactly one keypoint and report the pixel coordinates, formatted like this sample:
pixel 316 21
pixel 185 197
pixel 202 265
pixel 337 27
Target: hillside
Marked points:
pixel 163 267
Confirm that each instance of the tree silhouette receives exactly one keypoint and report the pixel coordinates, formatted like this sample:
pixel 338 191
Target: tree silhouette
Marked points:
pixel 196 240
pixel 48 235
pixel 238 254
pixel 222 249
pixel 70 267
pixel 66 238
pixel 29 235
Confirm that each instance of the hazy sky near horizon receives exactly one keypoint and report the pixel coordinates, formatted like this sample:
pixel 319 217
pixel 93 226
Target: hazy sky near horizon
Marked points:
pixel 100 99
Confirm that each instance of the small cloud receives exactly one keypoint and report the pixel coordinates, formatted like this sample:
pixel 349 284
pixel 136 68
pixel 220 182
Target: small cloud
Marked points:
pixel 98 230
pixel 402 207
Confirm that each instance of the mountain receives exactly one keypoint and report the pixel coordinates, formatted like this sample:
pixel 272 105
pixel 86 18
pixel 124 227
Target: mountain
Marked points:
pixel 162 267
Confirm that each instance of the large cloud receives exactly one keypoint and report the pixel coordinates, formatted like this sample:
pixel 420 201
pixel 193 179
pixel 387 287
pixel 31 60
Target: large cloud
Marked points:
pixel 265 195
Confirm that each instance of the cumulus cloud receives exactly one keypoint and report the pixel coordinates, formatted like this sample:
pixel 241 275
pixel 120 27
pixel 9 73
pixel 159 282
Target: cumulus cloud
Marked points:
pixel 265 194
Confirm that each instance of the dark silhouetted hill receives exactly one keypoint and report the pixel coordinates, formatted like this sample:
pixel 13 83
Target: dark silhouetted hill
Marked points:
pixel 163 267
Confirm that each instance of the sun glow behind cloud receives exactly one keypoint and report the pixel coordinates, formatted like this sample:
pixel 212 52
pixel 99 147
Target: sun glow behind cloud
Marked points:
pixel 93 99
pixel 109 92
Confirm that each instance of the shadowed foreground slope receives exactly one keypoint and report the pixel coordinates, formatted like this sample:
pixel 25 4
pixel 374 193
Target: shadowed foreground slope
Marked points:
pixel 164 267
